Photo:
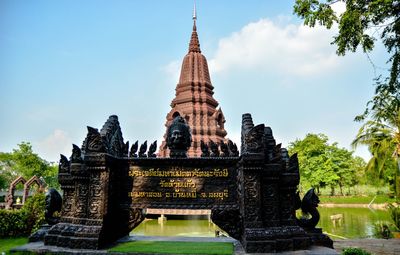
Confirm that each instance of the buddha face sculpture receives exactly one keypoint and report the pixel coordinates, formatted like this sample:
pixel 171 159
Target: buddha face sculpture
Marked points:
pixel 179 137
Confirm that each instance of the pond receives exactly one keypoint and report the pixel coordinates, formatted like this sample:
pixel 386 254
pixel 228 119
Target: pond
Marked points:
pixel 338 222
pixel 351 222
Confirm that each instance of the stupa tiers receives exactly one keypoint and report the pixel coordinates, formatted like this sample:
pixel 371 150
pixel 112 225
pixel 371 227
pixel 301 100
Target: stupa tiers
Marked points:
pixel 194 101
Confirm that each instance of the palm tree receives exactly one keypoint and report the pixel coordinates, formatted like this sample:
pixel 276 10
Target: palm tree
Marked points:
pixel 381 133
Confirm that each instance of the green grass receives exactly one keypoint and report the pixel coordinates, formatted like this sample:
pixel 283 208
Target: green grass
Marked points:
pixel 380 199
pixel 219 248
pixel 8 243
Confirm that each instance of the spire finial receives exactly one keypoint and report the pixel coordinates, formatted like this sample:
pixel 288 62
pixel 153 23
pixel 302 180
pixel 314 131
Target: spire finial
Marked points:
pixel 194 45
pixel 194 11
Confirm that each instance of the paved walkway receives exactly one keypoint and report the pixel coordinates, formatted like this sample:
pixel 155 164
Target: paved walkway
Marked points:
pixel 375 246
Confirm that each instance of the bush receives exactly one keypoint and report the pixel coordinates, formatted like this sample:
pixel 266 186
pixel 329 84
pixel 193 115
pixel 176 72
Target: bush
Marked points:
pixel 354 251
pixel 23 222
pixel 12 223
pixel 395 214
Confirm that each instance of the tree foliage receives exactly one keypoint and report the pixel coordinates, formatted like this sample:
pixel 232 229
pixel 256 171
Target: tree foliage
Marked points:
pixel 323 164
pixel 24 162
pixel 361 25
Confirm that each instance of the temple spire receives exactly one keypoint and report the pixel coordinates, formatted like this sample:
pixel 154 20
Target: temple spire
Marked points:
pixel 194 11
pixel 194 45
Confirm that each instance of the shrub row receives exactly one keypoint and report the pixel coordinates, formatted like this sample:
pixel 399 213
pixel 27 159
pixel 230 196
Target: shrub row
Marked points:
pixel 14 223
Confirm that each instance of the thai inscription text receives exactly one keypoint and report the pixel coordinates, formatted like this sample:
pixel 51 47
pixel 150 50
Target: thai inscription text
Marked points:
pixel 179 184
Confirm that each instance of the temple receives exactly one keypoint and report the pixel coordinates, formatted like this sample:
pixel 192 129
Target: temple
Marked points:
pixel 194 100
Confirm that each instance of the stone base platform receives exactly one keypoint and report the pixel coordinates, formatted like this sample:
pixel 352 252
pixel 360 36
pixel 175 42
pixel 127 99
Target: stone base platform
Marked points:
pixel 40 248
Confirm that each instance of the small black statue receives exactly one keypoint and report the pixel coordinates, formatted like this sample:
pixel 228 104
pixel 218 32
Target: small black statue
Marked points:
pixel 152 149
pixel 214 149
pixel 204 149
pixel 233 150
pixel 309 206
pixel 179 138
pixel 76 156
pixel 53 204
pixel 134 149
pixel 142 150
pixel 224 149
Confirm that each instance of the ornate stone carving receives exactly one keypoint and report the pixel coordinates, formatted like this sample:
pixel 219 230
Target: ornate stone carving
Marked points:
pixel 53 204
pixel 229 220
pixel 253 139
pixel 135 217
pixel 134 149
pixel 93 142
pixel 233 150
pixel 252 197
pixel 214 149
pixel 142 150
pixel 10 193
pixel 309 206
pixel 152 149
pixel 204 149
pixel 63 166
pixel 112 137
pixel 179 138
pixel 76 156
pixel 224 149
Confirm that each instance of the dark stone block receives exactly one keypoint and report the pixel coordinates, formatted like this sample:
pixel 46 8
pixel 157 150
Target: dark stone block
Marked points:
pixel 284 245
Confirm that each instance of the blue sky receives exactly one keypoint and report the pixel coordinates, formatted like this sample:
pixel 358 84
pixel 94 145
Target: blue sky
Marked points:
pixel 65 65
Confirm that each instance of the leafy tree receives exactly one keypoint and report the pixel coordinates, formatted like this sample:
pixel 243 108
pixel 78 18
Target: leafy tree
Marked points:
pixel 322 164
pixel 383 140
pixel 7 175
pixel 381 118
pixel 23 161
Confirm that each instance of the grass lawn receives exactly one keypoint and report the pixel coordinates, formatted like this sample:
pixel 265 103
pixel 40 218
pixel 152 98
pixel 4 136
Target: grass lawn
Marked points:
pixel 175 247
pixel 8 243
pixel 380 199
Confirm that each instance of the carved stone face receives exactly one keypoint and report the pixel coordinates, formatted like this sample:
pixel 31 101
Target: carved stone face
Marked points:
pixel 177 136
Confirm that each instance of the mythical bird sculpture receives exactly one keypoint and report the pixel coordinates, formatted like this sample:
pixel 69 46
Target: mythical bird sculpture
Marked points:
pixel 134 149
pixel 152 149
pixel 142 150
pixel 204 149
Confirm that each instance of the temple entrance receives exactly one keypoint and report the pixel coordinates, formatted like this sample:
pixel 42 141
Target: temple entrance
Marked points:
pixel 108 189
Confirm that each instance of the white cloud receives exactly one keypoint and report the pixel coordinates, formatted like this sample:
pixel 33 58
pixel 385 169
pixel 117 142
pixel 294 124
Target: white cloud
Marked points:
pixel 172 69
pixel 55 144
pixel 281 48
pixel 339 7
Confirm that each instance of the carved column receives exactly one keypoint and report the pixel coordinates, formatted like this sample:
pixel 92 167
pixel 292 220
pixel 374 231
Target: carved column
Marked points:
pixel 92 215
pixel 268 188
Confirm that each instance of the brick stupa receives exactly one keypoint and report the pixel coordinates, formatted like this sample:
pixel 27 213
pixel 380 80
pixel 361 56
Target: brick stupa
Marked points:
pixel 194 101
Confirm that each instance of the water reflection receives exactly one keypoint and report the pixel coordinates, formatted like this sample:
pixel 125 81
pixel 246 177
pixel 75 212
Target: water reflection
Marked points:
pixel 338 222
pixel 190 227
pixel 351 222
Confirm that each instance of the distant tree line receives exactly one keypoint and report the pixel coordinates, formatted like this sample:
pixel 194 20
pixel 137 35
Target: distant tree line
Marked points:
pixel 325 165
pixel 24 162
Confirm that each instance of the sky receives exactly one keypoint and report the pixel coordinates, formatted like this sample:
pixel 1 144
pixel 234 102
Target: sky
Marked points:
pixel 68 64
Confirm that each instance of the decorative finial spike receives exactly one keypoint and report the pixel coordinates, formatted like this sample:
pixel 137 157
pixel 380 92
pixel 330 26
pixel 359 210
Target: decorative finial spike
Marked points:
pixel 194 45
pixel 194 11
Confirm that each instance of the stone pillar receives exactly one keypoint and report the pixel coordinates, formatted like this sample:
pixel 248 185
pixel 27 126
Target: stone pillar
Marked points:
pixel 267 203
